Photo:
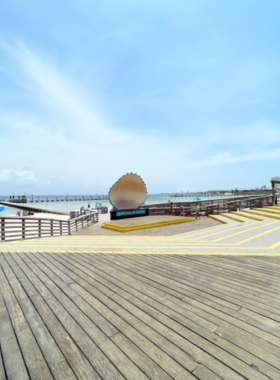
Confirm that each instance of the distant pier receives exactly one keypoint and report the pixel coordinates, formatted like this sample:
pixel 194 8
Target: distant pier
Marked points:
pixel 24 207
pixel 38 199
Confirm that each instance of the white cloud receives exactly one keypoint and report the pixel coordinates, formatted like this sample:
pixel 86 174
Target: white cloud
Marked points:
pixel 225 158
pixel 17 177
pixel 69 142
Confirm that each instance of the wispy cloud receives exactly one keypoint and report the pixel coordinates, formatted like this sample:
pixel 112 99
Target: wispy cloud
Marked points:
pixel 17 177
pixel 226 158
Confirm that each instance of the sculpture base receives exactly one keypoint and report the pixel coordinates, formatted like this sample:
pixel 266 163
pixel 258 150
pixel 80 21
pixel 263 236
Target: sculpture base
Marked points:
pixel 122 214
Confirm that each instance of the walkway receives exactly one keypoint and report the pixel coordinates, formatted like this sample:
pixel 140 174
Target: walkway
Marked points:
pixel 198 305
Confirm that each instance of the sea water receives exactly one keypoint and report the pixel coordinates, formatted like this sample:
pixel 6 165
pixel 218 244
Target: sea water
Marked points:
pixel 75 205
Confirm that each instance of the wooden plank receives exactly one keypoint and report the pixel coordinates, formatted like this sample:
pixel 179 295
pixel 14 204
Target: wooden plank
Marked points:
pixel 145 340
pixel 258 304
pixel 157 355
pixel 76 358
pixel 2 369
pixel 176 289
pixel 94 292
pixel 224 351
pixel 270 287
pixel 10 351
pixel 148 366
pixel 240 272
pixel 250 343
pixel 220 319
pixel 203 373
pixel 141 297
pixel 66 308
pixel 50 350
pixel 196 270
pixel 233 293
pixel 180 288
pixel 173 350
pixel 195 335
pixel 214 273
pixel 129 287
pixel 59 330
pixel 174 311
pixel 233 273
pixel 34 360
pixel 164 285
pixel 98 319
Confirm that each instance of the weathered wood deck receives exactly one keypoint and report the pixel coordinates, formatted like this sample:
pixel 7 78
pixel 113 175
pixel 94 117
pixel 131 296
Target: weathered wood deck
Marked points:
pixel 110 316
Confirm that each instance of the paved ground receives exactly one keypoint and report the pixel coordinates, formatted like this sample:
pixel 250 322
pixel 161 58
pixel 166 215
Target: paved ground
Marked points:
pixel 204 222
pixel 202 304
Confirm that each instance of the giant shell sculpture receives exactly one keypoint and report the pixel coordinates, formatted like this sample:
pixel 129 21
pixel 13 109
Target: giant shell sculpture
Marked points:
pixel 128 193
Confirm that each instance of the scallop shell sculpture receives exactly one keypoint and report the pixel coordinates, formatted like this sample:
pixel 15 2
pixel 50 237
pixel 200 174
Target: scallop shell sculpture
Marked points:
pixel 128 193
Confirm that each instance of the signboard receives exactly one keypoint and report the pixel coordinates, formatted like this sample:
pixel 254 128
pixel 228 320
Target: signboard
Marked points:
pixel 128 213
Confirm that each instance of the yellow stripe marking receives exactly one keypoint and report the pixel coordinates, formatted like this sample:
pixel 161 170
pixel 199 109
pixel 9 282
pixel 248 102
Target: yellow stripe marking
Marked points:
pixel 243 231
pixel 274 245
pixel 193 246
pixel 233 218
pixel 268 210
pixel 257 236
pixel 118 228
pixel 218 219
pixel 238 226
pixel 267 215
pixel 156 253
pixel 247 216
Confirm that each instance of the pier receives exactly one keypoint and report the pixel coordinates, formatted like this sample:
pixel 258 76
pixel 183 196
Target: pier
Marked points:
pixel 25 207
pixel 41 199
pixel 68 199
pixel 161 305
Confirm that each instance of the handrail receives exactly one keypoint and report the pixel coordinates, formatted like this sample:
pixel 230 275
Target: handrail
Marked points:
pixel 213 206
pixel 18 228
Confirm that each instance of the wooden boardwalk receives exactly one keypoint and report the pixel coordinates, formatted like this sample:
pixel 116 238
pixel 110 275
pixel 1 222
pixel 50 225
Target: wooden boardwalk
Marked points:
pixel 80 315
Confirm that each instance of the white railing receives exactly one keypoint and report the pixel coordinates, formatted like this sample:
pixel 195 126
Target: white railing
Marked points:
pixel 18 228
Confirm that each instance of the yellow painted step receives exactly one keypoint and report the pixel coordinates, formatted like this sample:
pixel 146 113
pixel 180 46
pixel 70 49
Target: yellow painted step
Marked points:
pixel 266 209
pixel 261 213
pixel 277 208
pixel 115 227
pixel 232 217
pixel 247 216
pixel 217 218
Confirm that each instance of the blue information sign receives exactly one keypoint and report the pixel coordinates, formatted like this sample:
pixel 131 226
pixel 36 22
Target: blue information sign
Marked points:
pixel 130 212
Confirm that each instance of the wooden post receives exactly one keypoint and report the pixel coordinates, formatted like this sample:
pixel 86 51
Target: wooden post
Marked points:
pixel 3 229
pixel 23 228
pixel 40 227
pixel 273 189
pixel 60 225
pixel 69 229
pixel 76 222
pixel 51 227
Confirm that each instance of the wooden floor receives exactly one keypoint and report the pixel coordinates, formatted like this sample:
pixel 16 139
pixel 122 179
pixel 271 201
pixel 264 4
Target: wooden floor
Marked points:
pixel 110 316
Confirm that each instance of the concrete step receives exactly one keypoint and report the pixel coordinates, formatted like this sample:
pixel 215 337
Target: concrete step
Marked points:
pixel 247 217
pixel 233 217
pixel 262 213
pixel 222 219
pixel 268 209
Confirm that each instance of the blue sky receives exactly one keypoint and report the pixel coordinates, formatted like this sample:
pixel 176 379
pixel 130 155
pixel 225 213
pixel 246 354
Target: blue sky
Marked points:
pixel 183 93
